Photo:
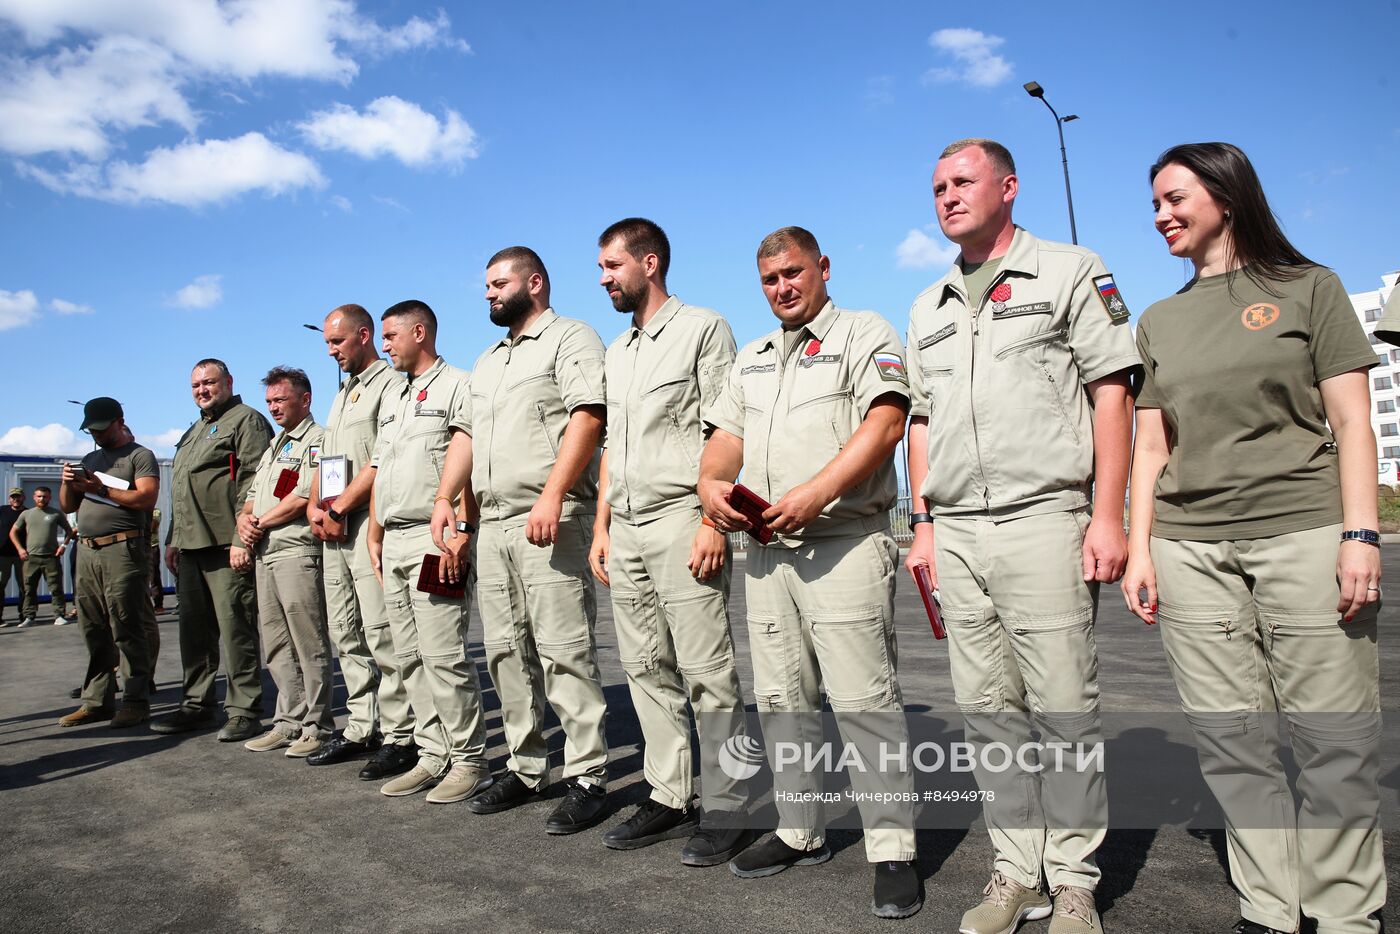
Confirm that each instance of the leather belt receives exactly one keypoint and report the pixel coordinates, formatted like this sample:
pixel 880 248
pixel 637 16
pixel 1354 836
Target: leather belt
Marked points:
pixel 102 541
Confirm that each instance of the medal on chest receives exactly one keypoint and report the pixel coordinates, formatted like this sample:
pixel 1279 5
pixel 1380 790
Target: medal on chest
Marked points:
pixel 419 400
pixel 1000 296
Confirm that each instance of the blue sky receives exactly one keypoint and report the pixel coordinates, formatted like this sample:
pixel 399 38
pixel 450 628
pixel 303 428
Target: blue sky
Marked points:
pixel 198 178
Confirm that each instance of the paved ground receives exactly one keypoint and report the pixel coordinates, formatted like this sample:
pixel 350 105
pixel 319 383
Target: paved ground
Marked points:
pixel 139 832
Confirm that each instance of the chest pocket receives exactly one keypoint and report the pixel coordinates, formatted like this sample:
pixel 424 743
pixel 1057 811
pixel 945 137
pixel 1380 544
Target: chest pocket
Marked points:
pixel 823 400
pixel 760 382
pixel 1023 323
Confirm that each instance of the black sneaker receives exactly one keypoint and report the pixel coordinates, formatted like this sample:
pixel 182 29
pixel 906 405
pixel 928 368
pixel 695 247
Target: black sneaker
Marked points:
pixel 391 759
pixel 183 720
pixel 507 793
pixel 651 823
pixel 772 856
pixel 338 749
pixel 715 843
pixel 581 808
pixel 1244 926
pixel 899 893
pixel 239 728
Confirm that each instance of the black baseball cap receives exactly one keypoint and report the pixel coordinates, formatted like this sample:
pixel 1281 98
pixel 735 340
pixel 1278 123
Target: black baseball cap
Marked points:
pixel 100 412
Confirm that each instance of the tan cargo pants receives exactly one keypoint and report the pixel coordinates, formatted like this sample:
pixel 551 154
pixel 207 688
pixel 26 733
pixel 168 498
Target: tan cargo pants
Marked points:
pixel 296 652
pixel 1252 627
pixel 359 626
pixel 674 641
pixel 821 615
pixel 430 642
pixel 1021 647
pixel 538 611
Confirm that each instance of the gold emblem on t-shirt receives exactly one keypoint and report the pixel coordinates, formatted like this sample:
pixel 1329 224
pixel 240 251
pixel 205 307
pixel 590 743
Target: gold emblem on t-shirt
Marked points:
pixel 1259 316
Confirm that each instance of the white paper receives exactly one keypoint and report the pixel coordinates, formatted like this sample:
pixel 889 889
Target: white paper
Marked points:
pixel 112 483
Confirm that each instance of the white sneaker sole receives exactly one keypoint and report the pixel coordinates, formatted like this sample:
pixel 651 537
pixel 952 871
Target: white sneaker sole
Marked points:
pixel 1031 913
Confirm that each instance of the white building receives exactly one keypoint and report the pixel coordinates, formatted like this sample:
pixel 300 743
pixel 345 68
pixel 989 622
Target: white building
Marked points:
pixel 1385 380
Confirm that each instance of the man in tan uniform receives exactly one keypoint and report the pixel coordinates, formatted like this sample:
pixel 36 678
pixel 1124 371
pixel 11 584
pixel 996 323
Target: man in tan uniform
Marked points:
pixel 291 605
pixel 812 413
pixel 423 458
pixel 1020 359
pixel 666 565
pixel 214 465
pixel 536 417
pixel 375 694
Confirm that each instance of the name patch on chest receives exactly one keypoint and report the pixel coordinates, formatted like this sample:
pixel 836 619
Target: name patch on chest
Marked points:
pixel 814 359
pixel 1015 311
pixel 758 368
pixel 943 333
pixel 432 413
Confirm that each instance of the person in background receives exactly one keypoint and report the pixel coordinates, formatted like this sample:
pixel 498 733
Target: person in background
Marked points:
pixel 35 536
pixel 10 564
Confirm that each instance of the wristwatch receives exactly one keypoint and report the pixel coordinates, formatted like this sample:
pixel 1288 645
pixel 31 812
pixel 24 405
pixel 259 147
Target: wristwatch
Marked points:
pixel 1369 536
pixel 337 517
pixel 465 527
pixel 917 518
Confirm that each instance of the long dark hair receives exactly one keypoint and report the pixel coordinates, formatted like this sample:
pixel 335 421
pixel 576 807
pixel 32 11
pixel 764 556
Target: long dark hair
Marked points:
pixel 1256 239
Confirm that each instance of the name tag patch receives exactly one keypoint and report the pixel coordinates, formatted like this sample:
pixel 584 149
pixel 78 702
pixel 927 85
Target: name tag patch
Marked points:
pixel 814 359
pixel 433 413
pixel 1015 311
pixel 386 420
pixel 758 368
pixel 943 333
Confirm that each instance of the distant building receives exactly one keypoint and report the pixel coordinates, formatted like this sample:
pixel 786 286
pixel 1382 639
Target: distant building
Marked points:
pixel 1385 380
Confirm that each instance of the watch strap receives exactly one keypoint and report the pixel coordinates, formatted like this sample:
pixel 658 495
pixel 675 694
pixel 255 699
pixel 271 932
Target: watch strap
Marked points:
pixel 1368 536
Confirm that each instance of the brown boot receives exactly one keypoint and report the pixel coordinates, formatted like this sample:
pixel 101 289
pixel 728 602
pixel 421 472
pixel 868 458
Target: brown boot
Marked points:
pixel 86 715
pixel 130 716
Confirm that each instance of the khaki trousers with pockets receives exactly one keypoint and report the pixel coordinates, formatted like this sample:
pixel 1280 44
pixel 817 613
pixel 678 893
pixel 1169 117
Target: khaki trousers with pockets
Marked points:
pixel 296 652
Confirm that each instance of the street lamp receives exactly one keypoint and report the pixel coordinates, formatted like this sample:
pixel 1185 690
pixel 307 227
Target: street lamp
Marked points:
pixel 1035 90
pixel 339 376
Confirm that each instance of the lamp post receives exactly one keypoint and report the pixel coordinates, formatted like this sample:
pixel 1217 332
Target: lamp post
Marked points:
pixel 339 376
pixel 1036 91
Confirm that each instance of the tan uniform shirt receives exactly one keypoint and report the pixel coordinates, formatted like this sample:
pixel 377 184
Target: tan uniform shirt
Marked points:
pixel 1388 328
pixel 1001 379
pixel 213 468
pixel 415 426
pixel 659 378
pixel 796 409
pixel 297 450
pixel 523 392
pixel 353 427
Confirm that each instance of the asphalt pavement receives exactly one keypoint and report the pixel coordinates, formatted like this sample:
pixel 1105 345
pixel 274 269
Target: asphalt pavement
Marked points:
pixel 134 831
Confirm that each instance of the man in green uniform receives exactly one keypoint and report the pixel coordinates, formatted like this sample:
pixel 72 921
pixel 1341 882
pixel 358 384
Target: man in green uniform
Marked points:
pixel 1020 359
pixel 359 624
pixel 812 412
pixel 423 459
pixel 666 565
pixel 35 537
pixel 10 564
pixel 112 491
pixel 536 417
pixel 287 564
pixel 214 465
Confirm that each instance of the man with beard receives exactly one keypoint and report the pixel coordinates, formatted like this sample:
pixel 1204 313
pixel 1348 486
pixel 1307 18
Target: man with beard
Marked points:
pixel 36 537
pixel 537 414
pixel 667 566
pixel 214 465
pixel 423 460
pixel 374 689
pixel 114 609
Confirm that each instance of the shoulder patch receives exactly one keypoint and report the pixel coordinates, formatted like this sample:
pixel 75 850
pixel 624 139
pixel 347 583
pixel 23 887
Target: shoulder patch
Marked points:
pixel 890 366
pixel 948 330
pixel 1112 301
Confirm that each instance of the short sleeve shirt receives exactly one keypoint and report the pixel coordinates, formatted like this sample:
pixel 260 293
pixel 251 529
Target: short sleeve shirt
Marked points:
pixel 353 428
pixel 796 409
pixel 659 379
pixel 415 427
pixel 1235 370
pixel 214 465
pixel 130 462
pixel 523 393
pixel 1388 328
pixel 39 529
pixel 1001 378
pixel 293 454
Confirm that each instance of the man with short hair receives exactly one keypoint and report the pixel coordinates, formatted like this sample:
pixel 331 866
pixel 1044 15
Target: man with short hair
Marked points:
pixel 36 539
pixel 535 420
pixel 423 460
pixel 214 465
pixel 812 413
pixel 1020 360
pixel 113 491
pixel 375 696
pixel 10 563
pixel 667 566
pixel 287 568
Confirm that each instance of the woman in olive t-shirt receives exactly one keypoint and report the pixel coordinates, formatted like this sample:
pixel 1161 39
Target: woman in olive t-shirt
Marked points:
pixel 1254 439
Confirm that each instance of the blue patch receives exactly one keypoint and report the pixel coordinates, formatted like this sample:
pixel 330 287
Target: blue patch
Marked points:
pixel 213 429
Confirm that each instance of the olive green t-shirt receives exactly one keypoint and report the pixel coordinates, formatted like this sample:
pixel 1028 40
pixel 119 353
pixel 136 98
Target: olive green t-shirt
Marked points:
pixel 39 530
pixel 130 462
pixel 1235 371
pixel 978 278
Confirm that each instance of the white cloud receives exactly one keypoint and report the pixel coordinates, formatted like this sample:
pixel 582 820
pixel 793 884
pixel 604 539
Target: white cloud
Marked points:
pixel 64 307
pixel 17 308
pixel 920 251
pixel 53 438
pixel 163 443
pixel 974 53
pixel 391 126
pixel 191 174
pixel 342 202
pixel 203 292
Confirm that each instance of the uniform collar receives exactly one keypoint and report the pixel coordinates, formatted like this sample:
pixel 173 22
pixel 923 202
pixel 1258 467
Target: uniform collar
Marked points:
pixel 536 328
pixel 1022 256
pixel 367 374
pixel 297 433
pixel 214 414
pixel 653 327
pixel 422 379
pixel 817 327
